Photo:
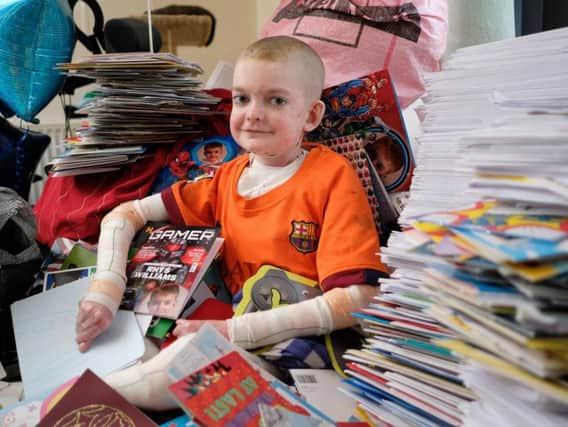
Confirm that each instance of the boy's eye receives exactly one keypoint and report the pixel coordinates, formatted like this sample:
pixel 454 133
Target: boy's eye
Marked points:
pixel 239 99
pixel 277 100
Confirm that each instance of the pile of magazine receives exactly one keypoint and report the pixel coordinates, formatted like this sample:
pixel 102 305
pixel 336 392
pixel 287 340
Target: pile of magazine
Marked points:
pixel 484 257
pixel 402 375
pixel 141 98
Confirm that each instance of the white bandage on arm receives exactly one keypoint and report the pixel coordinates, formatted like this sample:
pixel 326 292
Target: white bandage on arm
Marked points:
pixel 146 384
pixel 317 316
pixel 118 228
pixel 343 301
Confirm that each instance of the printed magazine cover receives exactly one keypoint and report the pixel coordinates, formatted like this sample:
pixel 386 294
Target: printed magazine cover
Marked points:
pixel 368 108
pixel 168 266
pixel 228 392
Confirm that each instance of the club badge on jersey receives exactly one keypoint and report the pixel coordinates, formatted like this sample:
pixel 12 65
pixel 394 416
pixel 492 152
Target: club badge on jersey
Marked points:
pixel 304 237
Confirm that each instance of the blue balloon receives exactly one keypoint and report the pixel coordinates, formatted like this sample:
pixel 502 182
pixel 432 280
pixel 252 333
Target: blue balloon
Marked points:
pixel 35 35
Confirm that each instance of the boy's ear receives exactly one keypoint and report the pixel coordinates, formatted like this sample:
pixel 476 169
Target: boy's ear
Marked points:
pixel 314 116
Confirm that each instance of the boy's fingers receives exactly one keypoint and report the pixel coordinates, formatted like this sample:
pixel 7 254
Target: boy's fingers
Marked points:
pixel 88 334
pixel 84 346
pixel 179 331
pixel 223 328
pixel 86 322
pixel 184 327
pixel 181 322
pixel 88 318
pixel 85 315
pixel 92 320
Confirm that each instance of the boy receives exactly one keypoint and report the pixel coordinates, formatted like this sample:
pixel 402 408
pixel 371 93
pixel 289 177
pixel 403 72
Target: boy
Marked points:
pixel 212 158
pixel 163 299
pixel 387 157
pixel 303 211
pixel 212 153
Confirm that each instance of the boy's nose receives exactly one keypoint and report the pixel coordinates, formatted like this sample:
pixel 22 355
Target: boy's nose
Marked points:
pixel 254 112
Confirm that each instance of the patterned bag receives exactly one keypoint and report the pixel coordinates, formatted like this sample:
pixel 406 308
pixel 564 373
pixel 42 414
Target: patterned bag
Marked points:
pixel 356 37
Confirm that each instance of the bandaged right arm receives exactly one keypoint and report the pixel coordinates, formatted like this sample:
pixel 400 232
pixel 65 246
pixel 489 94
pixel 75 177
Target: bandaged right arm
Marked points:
pixel 118 228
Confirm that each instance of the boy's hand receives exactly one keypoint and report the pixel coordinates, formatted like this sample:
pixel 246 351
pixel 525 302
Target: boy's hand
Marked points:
pixel 184 327
pixel 93 319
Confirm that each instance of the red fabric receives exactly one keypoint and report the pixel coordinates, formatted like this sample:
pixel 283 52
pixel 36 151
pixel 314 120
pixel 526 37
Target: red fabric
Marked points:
pixel 74 206
pixel 212 309
pixel 218 124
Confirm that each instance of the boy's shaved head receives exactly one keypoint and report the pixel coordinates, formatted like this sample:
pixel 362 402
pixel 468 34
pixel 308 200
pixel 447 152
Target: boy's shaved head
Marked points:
pixel 285 48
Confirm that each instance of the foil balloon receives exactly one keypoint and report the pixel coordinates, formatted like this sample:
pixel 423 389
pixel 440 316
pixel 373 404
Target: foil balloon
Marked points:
pixel 35 35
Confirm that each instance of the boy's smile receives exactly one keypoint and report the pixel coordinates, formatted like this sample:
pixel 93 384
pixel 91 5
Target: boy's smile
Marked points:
pixel 270 110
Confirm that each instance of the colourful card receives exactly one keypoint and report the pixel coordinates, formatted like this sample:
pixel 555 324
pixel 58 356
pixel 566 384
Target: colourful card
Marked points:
pixel 227 392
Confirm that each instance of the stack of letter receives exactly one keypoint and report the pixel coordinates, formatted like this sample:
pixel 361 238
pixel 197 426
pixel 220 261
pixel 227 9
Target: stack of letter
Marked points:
pixel 483 263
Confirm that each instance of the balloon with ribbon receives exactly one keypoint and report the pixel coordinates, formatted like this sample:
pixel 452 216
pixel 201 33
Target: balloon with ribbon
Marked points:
pixel 35 35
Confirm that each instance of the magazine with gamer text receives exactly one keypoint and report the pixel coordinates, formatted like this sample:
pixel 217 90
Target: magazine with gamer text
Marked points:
pixel 168 266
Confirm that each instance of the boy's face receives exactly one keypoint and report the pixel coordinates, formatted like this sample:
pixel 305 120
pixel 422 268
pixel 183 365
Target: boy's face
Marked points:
pixel 212 154
pixel 162 305
pixel 384 164
pixel 270 110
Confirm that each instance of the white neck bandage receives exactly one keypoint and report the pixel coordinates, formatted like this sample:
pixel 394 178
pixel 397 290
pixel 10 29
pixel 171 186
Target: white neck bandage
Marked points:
pixel 258 179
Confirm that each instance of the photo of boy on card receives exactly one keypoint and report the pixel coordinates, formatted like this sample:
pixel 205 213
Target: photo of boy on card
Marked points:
pixel 213 153
pixel 210 153
pixel 163 300
pixel 387 156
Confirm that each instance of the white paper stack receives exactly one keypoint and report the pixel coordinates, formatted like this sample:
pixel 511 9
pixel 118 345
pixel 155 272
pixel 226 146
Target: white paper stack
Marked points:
pixel 485 256
pixel 402 376
pixel 141 98
pixel 494 125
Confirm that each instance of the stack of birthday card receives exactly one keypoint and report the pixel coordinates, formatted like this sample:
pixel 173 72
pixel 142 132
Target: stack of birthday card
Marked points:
pixel 482 263
pixel 141 99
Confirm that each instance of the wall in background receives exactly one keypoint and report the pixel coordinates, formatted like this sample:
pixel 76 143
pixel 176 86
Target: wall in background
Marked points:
pixel 238 23
pixel 264 9
pixel 236 28
pixel 479 21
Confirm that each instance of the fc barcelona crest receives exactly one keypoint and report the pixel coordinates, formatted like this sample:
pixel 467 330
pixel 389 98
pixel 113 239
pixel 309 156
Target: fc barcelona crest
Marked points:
pixel 304 236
